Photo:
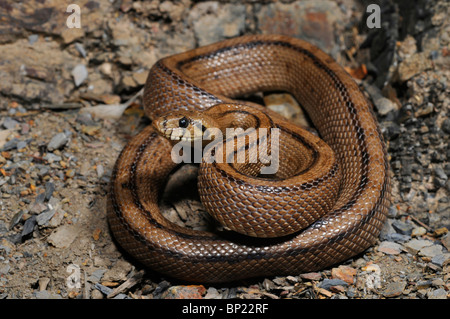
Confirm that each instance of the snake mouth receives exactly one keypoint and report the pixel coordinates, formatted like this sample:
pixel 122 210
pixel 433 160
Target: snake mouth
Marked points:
pixel 177 134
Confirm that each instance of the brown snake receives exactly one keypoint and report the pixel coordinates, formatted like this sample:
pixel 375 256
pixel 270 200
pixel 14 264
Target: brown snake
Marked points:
pixel 343 195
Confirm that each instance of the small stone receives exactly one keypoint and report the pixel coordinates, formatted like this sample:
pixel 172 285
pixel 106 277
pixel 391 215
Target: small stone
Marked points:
pixel 28 226
pixel 70 173
pixel 440 231
pixel 344 273
pixel 184 292
pixel 96 294
pixel 423 284
pixel 90 129
pixel 394 289
pixel 446 126
pixel 6 245
pixel 415 245
pixel 118 272
pixel 44 294
pixel 428 109
pixel 79 74
pixel 4 269
pixel 16 219
pixel 140 77
pixel 384 106
pixel 311 276
pixel 21 145
pixel 403 227
pixel 100 170
pixel 10 145
pixel 337 289
pixel 51 158
pixel 43 218
pixel 81 49
pixel 96 275
pixel 413 65
pixel 64 236
pixel 57 141
pixel 9 123
pixel 212 293
pixel 43 282
pixel 49 189
pixel 33 38
pixel 431 251
pixel 437 294
pixel 390 248
pixel 418 231
pixel 57 218
pixel 446 241
pixel 328 283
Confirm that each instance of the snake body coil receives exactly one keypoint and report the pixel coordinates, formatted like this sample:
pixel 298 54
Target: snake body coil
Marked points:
pixel 338 195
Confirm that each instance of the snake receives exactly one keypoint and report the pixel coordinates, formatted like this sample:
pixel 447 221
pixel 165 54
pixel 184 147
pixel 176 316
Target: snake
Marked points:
pixel 326 203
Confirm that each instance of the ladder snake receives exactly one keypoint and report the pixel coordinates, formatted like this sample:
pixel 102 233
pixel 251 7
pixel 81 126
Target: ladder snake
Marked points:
pixel 332 193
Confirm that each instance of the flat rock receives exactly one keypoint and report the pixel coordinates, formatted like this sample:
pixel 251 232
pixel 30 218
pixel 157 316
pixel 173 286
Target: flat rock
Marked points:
pixel 415 245
pixel 64 236
pixel 431 251
pixel 57 141
pixel 394 289
pixel 390 248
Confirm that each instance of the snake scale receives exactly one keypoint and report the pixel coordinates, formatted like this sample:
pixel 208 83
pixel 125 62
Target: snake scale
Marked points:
pixel 352 195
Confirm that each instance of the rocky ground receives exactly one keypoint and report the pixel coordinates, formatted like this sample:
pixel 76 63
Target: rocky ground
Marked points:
pixel 58 145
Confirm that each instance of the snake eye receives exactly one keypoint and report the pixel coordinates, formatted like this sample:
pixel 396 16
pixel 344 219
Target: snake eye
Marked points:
pixel 183 123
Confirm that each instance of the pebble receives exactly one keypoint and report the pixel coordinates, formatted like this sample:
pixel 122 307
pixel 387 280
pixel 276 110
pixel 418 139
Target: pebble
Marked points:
pixel 418 231
pixel 431 251
pixel 58 141
pixel 415 245
pixel 44 217
pixel 118 272
pixel 403 228
pixel 80 74
pixel 184 292
pixel 96 294
pixel 212 293
pixel 413 65
pixel 417 143
pixel 446 241
pixel 28 226
pixel 328 283
pixel 9 123
pixel 394 289
pixel 390 248
pixel 446 125
pixel 33 38
pixel 344 273
pixel 438 294
pixel 11 144
pixel 64 236
pixel 80 49
pixel 311 276
pixel 100 170
pixel 46 295
pixel 96 275
pixel 4 269
pixel 106 291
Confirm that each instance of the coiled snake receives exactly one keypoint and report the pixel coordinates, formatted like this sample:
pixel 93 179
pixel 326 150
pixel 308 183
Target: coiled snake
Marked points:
pixel 332 196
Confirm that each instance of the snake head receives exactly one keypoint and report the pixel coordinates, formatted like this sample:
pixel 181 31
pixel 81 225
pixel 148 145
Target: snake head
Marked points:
pixel 183 125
